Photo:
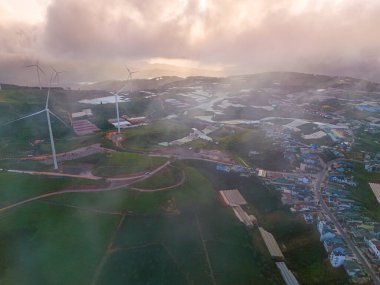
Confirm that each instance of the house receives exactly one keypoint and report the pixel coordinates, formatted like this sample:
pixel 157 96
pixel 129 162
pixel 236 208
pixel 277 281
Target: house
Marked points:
pixel 375 187
pixel 136 120
pixel 374 247
pixel 83 113
pixel 353 269
pixel 333 243
pixel 262 173
pixel 337 257
pixel 222 167
pixel 326 234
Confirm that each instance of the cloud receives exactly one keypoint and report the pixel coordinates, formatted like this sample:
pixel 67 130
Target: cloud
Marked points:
pixel 324 36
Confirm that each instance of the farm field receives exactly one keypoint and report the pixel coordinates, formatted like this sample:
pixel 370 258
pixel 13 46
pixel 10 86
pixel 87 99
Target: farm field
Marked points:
pixel 128 237
pixel 119 163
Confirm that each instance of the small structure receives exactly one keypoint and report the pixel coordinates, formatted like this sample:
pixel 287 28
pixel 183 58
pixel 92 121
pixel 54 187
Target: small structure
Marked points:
pixel 222 167
pixel 271 244
pixel 83 113
pixel 136 120
pixel 375 187
pixel 286 274
pixel 262 173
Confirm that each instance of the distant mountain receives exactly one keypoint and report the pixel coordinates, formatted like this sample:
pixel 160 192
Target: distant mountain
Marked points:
pixel 291 81
pixel 303 80
pixel 284 81
pixel 137 84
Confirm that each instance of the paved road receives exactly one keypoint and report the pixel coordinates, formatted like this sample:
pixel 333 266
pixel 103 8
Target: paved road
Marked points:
pixel 326 210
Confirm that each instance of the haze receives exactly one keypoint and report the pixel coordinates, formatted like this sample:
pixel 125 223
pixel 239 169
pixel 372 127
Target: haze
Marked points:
pixel 94 39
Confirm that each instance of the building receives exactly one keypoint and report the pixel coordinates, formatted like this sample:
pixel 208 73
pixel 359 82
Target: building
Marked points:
pixel 235 200
pixel 232 197
pixel 337 257
pixel 353 269
pixel 248 220
pixel 286 274
pixel 262 173
pixel 271 243
pixel 84 127
pixel 375 187
pixel 137 120
pixel 222 167
pixel 83 113
pixel 374 247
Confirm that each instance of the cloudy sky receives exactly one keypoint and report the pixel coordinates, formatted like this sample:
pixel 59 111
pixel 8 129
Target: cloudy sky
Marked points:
pixel 92 40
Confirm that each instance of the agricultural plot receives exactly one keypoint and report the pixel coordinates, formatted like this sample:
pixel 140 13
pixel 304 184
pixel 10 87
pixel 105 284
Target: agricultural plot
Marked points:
pixel 188 246
pixel 165 236
pixel 165 178
pixel 148 265
pixel 118 164
pixel 45 244
pixel 16 187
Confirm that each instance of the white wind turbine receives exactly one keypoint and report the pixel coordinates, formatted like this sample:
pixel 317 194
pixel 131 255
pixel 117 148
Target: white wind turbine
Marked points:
pixel 130 77
pixel 38 70
pixel 48 113
pixel 117 97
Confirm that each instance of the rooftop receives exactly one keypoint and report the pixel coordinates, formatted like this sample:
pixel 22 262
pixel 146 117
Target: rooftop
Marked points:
pixel 375 187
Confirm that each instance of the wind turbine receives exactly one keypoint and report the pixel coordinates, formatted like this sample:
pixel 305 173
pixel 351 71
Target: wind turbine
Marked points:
pixel 48 113
pixel 57 73
pixel 38 70
pixel 130 77
pixel 117 98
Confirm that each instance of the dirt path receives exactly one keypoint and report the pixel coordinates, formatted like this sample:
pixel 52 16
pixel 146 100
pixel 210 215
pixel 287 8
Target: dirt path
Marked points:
pixel 108 251
pixel 205 250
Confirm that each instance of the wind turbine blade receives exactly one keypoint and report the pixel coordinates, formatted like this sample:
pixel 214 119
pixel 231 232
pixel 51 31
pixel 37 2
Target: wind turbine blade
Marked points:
pixel 56 116
pixel 53 68
pixel 22 118
pixel 52 77
pixel 33 65
pixel 121 89
pixel 40 69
